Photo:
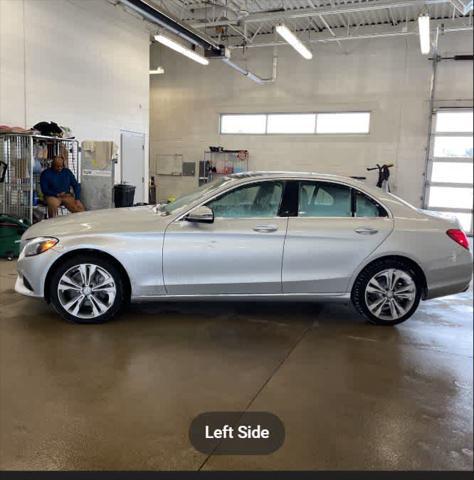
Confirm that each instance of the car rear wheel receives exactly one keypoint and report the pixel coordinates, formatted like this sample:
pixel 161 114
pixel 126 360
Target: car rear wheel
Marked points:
pixel 387 292
pixel 87 289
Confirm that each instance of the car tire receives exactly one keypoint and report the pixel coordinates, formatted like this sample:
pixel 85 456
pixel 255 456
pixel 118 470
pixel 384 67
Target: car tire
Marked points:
pixel 387 292
pixel 87 288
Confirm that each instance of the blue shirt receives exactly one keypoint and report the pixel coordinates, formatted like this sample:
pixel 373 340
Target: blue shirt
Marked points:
pixel 52 183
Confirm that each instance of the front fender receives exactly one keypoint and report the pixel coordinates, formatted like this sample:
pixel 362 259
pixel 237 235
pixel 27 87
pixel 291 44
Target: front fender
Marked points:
pixel 139 255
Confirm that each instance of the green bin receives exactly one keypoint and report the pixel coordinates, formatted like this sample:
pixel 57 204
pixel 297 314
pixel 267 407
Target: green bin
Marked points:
pixel 11 230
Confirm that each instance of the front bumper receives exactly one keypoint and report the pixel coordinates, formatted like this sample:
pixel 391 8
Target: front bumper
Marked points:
pixel 21 288
pixel 32 273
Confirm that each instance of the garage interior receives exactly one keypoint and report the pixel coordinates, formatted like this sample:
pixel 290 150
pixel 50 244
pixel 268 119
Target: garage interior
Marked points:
pixel 352 396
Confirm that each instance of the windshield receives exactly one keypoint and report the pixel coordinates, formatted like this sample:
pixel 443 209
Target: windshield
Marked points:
pixel 188 199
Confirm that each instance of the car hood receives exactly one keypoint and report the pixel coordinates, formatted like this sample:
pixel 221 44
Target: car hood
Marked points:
pixel 113 220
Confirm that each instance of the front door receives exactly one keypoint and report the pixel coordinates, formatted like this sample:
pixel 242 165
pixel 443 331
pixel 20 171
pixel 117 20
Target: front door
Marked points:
pixel 239 253
pixel 336 228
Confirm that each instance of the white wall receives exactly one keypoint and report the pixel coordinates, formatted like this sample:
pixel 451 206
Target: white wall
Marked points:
pixel 81 63
pixel 389 77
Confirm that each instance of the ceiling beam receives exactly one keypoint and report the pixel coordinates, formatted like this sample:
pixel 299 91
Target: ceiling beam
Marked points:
pixel 462 6
pixel 311 12
pixel 367 36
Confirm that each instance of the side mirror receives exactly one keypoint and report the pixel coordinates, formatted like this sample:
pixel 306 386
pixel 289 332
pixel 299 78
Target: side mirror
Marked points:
pixel 200 214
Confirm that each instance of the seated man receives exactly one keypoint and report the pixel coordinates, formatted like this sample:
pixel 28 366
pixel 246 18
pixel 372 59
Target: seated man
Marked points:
pixel 56 182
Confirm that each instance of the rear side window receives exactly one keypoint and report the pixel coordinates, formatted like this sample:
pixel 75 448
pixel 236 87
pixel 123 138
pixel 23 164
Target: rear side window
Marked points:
pixel 324 199
pixel 366 207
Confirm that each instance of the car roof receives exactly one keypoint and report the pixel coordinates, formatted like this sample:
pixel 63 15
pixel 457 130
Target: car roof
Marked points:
pixel 285 174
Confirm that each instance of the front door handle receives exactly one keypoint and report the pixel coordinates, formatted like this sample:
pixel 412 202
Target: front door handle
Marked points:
pixel 366 231
pixel 265 228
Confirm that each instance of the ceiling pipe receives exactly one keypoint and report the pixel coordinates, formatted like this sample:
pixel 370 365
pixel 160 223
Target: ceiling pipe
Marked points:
pixel 171 24
pixel 253 76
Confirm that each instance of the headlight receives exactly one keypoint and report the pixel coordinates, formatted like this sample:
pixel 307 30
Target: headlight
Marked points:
pixel 39 245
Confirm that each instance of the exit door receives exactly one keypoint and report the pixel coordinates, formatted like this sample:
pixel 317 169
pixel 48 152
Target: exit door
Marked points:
pixel 132 148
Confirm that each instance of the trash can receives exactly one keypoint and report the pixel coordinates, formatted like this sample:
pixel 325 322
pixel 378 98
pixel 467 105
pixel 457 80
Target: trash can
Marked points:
pixel 123 195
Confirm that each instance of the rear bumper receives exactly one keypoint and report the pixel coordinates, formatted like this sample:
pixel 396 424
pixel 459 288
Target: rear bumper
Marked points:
pixel 450 276
pixel 442 291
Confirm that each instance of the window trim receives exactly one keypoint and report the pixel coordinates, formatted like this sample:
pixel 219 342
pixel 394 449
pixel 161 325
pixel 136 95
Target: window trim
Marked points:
pixel 314 133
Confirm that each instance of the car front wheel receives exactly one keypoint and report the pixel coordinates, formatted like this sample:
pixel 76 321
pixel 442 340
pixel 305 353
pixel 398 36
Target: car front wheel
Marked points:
pixel 87 289
pixel 387 292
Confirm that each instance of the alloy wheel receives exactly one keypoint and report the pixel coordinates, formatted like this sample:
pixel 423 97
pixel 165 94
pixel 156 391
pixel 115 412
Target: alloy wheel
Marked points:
pixel 86 290
pixel 390 294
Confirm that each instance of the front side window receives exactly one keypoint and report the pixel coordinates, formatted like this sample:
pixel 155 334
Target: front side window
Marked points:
pixel 321 199
pixel 256 200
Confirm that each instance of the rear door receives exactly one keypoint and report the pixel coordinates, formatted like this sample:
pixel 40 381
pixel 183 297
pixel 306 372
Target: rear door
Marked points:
pixel 336 227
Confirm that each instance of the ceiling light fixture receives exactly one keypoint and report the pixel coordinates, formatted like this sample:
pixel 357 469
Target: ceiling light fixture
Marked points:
pixel 294 41
pixel 424 31
pixel 177 47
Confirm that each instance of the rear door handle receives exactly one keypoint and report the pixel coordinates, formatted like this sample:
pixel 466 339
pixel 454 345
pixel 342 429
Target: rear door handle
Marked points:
pixel 366 231
pixel 265 228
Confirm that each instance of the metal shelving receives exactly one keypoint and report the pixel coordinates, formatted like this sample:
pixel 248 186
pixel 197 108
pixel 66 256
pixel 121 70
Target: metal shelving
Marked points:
pixel 222 162
pixel 25 157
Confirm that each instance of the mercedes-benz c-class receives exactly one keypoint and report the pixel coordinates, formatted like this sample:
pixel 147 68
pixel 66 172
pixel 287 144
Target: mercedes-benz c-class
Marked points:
pixel 259 235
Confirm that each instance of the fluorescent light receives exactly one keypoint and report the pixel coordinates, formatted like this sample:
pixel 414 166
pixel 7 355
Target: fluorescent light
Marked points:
pixel 157 71
pixel 424 31
pixel 294 41
pixel 181 49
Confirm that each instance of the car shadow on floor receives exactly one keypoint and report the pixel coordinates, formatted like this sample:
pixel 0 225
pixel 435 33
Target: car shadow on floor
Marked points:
pixel 276 313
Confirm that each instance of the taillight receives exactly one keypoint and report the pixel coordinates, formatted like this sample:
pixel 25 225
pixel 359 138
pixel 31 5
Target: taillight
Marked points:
pixel 459 237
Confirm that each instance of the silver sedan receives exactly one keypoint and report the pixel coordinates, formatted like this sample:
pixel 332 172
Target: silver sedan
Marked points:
pixel 265 235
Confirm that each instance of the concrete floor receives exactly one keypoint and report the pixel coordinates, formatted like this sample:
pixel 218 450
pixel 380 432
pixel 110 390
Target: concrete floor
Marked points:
pixel 121 396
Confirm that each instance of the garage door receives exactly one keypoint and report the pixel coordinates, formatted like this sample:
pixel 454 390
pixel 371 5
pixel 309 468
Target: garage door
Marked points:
pixel 450 173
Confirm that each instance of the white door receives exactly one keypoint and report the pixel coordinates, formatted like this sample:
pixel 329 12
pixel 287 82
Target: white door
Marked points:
pixel 132 149
pixel 449 176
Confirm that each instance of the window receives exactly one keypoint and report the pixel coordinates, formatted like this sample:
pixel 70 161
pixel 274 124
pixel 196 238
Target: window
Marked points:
pixel 450 147
pixel 324 199
pixel 366 207
pixel 454 121
pixel 255 200
pixel 343 123
pixel 296 123
pixel 320 199
pixel 450 197
pixel 243 123
pixel 450 174
pixel 186 200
